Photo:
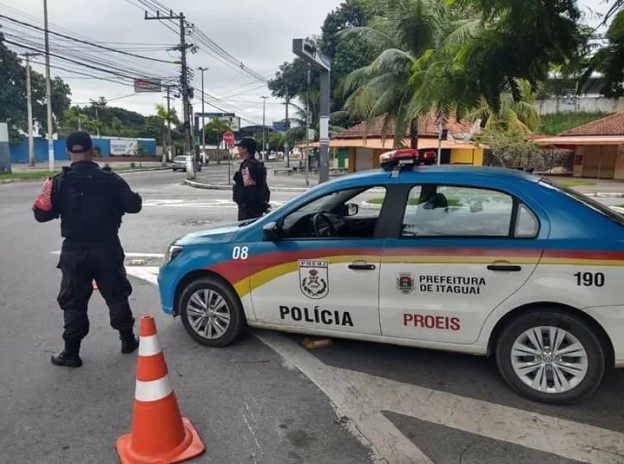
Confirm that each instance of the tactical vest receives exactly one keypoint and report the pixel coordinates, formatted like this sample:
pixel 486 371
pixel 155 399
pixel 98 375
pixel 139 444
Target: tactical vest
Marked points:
pixel 89 206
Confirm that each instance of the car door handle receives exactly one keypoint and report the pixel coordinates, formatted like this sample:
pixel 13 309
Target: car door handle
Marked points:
pixel 362 267
pixel 504 267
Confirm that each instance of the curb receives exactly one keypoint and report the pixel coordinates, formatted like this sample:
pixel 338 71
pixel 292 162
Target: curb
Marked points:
pixel 618 209
pixel 605 194
pixel 42 178
pixel 202 185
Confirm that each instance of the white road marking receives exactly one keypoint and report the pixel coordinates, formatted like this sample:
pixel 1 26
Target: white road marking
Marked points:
pixel 362 398
pixel 197 203
pixel 128 255
pixel 149 273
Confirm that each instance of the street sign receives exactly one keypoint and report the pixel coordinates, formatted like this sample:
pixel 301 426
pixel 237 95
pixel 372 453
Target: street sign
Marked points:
pixel 228 138
pixel 310 52
pixel 147 85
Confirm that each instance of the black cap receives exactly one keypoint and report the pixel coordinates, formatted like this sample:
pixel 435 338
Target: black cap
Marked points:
pixel 248 144
pixel 79 142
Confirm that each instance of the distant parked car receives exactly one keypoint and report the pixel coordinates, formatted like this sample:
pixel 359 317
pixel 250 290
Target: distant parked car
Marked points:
pixel 180 163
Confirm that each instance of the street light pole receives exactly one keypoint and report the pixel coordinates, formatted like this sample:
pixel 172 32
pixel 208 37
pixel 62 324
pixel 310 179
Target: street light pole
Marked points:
pixel 48 89
pixel 264 126
pixel 31 142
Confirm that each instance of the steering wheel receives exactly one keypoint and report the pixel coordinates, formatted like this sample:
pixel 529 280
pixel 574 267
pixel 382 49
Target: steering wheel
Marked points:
pixel 328 231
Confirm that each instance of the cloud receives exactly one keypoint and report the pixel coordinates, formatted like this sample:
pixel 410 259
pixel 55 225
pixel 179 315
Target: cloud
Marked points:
pixel 259 33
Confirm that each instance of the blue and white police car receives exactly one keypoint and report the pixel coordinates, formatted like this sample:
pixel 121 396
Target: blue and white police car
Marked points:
pixel 484 261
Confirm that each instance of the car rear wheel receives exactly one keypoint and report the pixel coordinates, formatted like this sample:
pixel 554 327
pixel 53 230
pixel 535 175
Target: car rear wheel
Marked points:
pixel 211 312
pixel 551 357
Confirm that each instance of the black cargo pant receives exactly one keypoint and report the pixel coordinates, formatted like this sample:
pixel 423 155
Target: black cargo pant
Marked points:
pixel 246 213
pixel 105 265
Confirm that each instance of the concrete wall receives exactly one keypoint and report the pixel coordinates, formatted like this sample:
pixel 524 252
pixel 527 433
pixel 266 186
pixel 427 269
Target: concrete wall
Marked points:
pixel 619 163
pixel 586 104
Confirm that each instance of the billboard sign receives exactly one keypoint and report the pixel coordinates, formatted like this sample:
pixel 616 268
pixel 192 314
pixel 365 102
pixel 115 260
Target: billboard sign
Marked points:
pixel 120 147
pixel 147 85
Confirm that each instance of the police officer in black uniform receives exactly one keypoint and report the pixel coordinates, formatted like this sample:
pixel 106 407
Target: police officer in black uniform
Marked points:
pixel 250 190
pixel 90 202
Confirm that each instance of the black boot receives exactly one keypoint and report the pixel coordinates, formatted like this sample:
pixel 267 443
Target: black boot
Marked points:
pixel 69 356
pixel 129 342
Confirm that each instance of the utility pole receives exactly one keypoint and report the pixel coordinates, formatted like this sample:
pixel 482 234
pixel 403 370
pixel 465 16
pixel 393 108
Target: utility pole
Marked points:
pixel 264 126
pixel 203 127
pixel 186 91
pixel 48 89
pixel 31 142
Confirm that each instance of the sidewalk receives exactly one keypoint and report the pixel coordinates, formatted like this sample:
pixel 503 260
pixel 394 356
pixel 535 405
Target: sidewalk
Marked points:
pixel 58 164
pixel 215 177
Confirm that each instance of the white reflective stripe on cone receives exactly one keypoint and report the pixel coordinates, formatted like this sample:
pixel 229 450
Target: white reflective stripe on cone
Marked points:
pixel 149 346
pixel 154 390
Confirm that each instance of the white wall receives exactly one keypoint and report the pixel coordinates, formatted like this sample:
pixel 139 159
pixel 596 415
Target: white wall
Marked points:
pixel 572 104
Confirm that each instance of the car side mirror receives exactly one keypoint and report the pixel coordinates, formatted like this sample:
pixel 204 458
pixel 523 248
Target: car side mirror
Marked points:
pixel 271 232
pixel 352 209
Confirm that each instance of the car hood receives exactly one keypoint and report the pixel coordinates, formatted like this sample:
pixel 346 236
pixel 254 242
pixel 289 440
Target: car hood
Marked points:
pixel 221 234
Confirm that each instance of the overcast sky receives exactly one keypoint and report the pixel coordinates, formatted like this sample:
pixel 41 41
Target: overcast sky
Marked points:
pixel 258 33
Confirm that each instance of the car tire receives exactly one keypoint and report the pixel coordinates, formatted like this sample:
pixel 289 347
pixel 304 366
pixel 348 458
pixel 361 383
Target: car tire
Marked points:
pixel 223 300
pixel 174 169
pixel 571 332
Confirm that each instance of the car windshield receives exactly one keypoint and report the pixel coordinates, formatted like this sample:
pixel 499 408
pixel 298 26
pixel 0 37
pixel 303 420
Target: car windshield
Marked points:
pixel 587 201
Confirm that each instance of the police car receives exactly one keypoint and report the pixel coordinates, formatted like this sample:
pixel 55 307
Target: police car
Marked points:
pixel 477 260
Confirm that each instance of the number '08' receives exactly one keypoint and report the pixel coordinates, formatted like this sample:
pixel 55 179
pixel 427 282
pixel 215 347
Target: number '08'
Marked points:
pixel 590 279
pixel 240 252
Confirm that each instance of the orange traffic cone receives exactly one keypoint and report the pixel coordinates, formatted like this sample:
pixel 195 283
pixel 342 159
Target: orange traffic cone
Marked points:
pixel 160 435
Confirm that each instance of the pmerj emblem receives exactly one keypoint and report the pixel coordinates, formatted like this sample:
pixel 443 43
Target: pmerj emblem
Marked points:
pixel 405 282
pixel 314 278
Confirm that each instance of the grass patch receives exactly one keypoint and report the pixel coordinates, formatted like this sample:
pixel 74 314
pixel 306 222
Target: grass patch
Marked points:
pixel 28 175
pixel 576 183
pixel 553 124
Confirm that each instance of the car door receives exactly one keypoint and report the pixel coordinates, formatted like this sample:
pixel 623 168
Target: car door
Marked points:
pixel 461 252
pixel 323 284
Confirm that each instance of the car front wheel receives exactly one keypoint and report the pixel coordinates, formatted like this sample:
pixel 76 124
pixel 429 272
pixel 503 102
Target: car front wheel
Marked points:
pixel 551 357
pixel 211 312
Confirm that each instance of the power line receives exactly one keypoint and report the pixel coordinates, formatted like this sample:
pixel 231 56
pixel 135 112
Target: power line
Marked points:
pixel 84 41
pixel 72 61
pixel 60 68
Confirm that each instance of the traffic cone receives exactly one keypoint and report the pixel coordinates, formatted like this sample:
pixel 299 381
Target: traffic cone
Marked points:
pixel 159 435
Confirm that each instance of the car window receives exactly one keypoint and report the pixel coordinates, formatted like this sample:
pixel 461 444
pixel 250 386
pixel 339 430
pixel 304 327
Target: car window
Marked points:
pixel 527 225
pixel 352 212
pixel 438 210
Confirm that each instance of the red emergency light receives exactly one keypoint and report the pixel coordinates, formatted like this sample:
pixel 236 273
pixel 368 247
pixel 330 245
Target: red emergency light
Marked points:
pixel 406 157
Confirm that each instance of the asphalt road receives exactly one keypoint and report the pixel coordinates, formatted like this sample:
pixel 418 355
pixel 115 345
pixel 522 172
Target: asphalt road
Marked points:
pixel 265 399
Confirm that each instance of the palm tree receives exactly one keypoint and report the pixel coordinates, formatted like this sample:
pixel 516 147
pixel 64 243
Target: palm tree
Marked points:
pixel 517 116
pixel 167 119
pixel 217 127
pixel 410 30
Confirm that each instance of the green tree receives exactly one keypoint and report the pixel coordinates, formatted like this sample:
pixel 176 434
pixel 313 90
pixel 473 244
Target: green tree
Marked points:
pixel 520 40
pixel 214 132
